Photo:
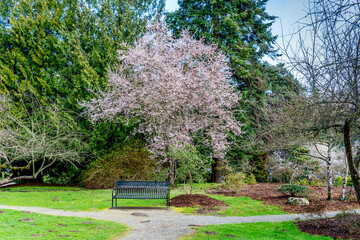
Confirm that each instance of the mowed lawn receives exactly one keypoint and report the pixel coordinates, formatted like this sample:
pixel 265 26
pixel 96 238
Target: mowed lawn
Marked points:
pixel 253 231
pixel 21 225
pixel 67 198
pixel 80 199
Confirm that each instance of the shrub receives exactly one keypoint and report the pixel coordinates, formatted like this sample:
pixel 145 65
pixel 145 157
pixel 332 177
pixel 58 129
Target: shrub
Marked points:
pixel 294 190
pixel 192 166
pixel 303 182
pixel 312 183
pixel 318 183
pixel 61 174
pixel 250 178
pixel 236 181
pixel 339 181
pixel 259 163
pixel 131 162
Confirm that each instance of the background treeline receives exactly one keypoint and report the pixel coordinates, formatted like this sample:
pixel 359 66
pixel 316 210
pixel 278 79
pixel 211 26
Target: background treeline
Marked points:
pixel 55 54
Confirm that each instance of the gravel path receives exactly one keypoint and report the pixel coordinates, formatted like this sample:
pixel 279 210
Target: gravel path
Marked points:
pixel 162 224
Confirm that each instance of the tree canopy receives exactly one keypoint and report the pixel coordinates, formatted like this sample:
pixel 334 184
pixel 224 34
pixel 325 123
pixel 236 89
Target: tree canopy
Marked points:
pixel 241 28
pixel 176 88
pixel 56 50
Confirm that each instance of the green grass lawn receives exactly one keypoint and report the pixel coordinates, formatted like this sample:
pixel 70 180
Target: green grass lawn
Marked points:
pixel 80 199
pixel 42 226
pixel 255 231
pixel 67 198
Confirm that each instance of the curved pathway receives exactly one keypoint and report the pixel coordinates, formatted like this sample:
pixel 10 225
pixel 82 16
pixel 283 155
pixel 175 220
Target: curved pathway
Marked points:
pixel 162 224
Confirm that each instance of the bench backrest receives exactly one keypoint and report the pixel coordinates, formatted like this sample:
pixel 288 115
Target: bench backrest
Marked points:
pixel 145 184
pixel 147 189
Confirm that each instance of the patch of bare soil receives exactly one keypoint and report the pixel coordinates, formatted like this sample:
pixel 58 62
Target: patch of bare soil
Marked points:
pixel 331 227
pixel 267 192
pixel 26 220
pixel 206 203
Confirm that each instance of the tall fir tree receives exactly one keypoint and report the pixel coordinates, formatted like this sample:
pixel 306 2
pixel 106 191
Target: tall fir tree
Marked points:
pixel 240 27
pixel 56 50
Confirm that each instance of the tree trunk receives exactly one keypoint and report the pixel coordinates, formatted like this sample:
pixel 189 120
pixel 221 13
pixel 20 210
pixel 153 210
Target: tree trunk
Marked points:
pixel 329 179
pixel 345 183
pixel 39 179
pixel 216 175
pixel 329 172
pixel 172 168
pixel 352 167
pixel 10 180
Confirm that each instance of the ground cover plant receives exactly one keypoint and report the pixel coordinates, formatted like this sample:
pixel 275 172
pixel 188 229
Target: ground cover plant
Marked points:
pixel 18 225
pixel 294 190
pixel 260 230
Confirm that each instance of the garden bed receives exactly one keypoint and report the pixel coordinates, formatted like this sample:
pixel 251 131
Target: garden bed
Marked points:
pixel 206 204
pixel 267 192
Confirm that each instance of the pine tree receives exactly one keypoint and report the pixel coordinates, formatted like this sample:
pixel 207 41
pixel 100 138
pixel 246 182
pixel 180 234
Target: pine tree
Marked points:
pixel 240 27
pixel 56 50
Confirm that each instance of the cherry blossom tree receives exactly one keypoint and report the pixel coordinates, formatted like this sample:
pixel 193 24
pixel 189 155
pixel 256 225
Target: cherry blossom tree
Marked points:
pixel 176 87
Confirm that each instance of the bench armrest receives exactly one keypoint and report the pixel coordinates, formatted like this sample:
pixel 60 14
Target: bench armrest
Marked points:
pixel 112 194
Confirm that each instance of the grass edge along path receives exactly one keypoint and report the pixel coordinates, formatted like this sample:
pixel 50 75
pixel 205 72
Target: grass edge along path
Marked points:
pixel 18 225
pixel 252 231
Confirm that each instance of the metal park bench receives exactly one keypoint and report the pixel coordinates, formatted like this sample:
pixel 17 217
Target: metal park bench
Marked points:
pixel 141 190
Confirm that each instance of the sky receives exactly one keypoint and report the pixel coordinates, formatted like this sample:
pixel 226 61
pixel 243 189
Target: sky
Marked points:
pixel 289 13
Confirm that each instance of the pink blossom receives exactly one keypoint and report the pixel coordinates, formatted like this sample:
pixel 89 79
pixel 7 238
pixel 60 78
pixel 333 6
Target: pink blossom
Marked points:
pixel 177 87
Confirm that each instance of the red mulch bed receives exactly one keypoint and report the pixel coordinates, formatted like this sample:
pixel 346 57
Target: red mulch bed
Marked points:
pixel 267 192
pixel 331 227
pixel 206 203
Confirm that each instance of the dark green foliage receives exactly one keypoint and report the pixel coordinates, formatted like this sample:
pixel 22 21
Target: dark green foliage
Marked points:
pixel 130 162
pixel 240 27
pixel 261 104
pixel 294 190
pixel 259 163
pixel 108 136
pixel 192 167
pixel 62 174
pixel 59 49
